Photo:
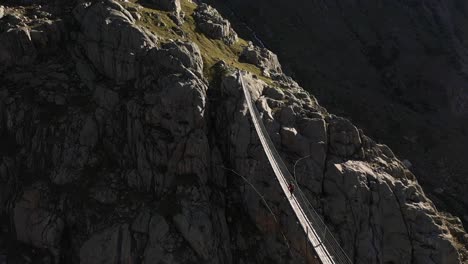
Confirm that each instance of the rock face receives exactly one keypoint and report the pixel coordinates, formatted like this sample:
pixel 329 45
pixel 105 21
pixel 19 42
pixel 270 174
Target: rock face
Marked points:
pixel 214 25
pixel 167 5
pixel 402 63
pixel 385 195
pixel 35 224
pixel 112 245
pixel 369 196
pixel 263 58
pixel 16 47
pixel 110 39
pixel 23 40
pixel 178 55
pixel 124 149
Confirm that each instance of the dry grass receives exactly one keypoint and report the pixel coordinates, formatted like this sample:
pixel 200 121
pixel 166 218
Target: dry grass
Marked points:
pixel 212 50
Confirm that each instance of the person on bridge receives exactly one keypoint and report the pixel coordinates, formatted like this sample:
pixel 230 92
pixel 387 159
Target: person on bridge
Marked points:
pixel 291 188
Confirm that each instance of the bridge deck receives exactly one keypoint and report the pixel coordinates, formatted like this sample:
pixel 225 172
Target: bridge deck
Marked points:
pixel 325 246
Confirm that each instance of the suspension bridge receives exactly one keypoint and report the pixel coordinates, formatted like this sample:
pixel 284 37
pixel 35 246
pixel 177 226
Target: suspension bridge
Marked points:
pixel 319 236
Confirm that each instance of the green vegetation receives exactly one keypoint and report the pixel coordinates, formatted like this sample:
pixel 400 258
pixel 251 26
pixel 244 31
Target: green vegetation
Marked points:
pixel 212 51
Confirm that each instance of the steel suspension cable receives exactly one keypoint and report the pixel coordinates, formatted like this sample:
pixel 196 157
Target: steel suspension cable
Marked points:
pixel 264 202
pixel 325 246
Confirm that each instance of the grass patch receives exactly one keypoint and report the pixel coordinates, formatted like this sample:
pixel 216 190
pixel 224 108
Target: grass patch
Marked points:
pixel 156 21
pixel 212 50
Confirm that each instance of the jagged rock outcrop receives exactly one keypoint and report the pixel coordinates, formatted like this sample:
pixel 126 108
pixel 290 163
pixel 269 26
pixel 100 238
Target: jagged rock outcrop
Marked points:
pixel 172 6
pixel 263 58
pixel 167 5
pixel 35 221
pixel 177 56
pixel 111 40
pixel 23 39
pixel 210 22
pixel 345 139
pixel 122 149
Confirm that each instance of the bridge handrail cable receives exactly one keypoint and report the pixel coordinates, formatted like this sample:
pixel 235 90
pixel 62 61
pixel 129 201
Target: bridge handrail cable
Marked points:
pixel 326 246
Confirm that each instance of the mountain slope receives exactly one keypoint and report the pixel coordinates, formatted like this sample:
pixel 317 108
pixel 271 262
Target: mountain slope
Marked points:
pixel 125 131
pixel 397 68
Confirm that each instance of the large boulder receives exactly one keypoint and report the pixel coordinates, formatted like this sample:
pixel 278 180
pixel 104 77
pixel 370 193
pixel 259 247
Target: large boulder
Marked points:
pixel 345 139
pixel 175 56
pixel 166 5
pixel 263 58
pixel 210 22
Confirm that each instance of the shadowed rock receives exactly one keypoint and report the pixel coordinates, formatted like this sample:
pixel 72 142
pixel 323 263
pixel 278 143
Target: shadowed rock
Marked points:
pixel 166 5
pixel 210 22
pixel 111 40
pixel 119 149
pixel 263 58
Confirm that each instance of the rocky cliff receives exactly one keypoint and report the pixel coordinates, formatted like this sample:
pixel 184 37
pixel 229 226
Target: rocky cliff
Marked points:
pixel 125 138
pixel 396 68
